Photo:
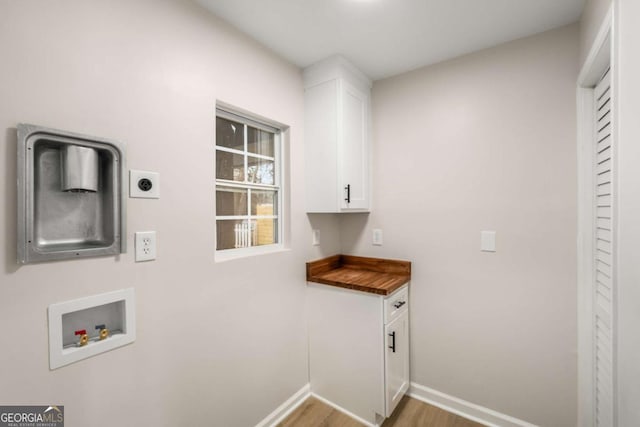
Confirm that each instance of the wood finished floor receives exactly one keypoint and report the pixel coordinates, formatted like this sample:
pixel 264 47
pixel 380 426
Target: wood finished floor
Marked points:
pixel 409 413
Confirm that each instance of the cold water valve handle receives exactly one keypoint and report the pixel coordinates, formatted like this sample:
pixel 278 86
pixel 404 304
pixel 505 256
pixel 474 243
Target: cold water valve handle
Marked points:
pixel 84 338
pixel 104 332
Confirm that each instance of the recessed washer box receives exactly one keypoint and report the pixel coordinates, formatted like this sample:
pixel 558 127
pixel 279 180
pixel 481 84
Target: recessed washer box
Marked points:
pixel 71 195
pixel 112 311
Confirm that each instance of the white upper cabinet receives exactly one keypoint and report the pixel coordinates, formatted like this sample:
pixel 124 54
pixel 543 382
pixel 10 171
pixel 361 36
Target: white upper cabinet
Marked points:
pixel 337 137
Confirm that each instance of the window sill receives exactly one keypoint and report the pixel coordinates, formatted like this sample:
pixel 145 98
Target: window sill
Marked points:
pixel 231 254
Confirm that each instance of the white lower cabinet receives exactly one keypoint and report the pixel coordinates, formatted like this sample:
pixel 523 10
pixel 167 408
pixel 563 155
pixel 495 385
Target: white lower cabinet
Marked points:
pixel 359 349
pixel 396 371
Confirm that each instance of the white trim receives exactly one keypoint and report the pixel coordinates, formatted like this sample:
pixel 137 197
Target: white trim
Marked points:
pixel 465 409
pixel 240 184
pixel 231 254
pixel 243 217
pixel 596 59
pixel 599 57
pixel 584 242
pixel 452 404
pixel 283 411
pixel 242 153
pixel 615 98
pixel 238 115
pixel 344 411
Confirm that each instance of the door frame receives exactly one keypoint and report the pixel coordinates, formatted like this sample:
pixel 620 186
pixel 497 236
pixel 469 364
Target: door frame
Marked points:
pixel 601 55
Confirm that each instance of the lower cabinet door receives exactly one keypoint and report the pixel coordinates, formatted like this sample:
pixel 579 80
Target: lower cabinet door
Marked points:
pixel 396 363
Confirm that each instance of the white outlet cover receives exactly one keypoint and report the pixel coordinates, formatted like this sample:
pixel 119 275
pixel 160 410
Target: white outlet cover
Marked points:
pixel 377 237
pixel 149 189
pixel 315 241
pixel 488 241
pixel 146 248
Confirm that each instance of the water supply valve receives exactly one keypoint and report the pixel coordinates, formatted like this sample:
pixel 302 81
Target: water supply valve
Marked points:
pixel 84 338
pixel 104 332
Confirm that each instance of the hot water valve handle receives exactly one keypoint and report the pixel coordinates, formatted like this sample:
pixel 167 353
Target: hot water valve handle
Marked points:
pixel 84 338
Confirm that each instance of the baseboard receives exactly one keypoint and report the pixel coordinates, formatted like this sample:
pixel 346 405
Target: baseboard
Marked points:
pixel 433 397
pixel 465 409
pixel 344 411
pixel 286 408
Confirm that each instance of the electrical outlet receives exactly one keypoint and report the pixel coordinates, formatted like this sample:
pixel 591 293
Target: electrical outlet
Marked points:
pixel 144 184
pixel 145 245
pixel 315 241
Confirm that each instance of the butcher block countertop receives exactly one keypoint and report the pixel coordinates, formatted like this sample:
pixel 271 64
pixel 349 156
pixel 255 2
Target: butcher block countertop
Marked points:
pixel 372 275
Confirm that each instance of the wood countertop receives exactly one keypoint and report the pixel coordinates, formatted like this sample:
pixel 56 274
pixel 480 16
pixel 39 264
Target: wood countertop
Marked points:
pixel 372 275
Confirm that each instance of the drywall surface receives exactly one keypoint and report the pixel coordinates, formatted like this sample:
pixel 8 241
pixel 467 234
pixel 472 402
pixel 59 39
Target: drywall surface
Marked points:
pixel 484 142
pixel 628 235
pixel 217 343
pixel 593 15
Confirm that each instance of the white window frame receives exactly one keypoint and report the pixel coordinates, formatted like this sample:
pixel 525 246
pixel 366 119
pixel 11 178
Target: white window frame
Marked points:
pixel 240 116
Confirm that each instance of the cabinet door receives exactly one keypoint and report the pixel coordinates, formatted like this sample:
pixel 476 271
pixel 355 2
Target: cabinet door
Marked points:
pixel 354 148
pixel 396 372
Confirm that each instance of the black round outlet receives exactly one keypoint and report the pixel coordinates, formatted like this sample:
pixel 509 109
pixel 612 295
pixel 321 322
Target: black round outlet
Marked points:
pixel 145 184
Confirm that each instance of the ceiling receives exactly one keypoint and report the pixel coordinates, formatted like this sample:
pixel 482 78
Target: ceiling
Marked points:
pixel 388 37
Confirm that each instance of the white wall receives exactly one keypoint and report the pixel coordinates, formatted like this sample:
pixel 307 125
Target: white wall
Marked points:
pixel 471 141
pixel 484 142
pixel 627 24
pixel 218 343
pixel 592 16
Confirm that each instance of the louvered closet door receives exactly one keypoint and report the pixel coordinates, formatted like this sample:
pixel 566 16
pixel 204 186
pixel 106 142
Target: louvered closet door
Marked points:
pixel 603 257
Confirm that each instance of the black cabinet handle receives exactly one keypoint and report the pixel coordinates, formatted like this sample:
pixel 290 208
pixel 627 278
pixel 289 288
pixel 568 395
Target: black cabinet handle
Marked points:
pixel 348 188
pixel 399 304
pixel 393 341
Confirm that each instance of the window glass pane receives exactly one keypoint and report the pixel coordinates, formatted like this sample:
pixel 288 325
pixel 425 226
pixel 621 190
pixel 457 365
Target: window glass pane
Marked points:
pixel 267 231
pixel 260 171
pixel 233 234
pixel 231 201
pixel 253 196
pixel 259 141
pixel 264 202
pixel 229 166
pixel 229 134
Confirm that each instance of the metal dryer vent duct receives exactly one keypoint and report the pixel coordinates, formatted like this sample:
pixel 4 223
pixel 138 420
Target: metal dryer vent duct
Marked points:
pixel 79 169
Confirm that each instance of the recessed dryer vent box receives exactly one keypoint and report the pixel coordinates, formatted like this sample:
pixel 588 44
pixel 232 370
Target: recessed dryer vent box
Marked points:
pixel 71 201
pixel 89 326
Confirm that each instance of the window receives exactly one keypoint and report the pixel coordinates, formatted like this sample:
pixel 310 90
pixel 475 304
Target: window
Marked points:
pixel 248 192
